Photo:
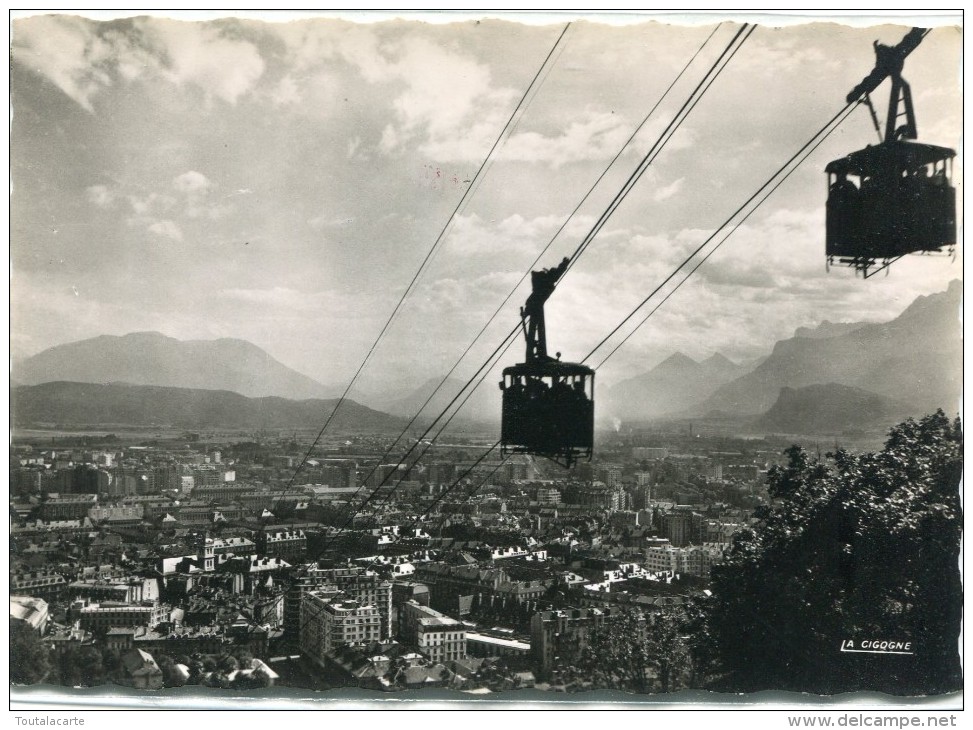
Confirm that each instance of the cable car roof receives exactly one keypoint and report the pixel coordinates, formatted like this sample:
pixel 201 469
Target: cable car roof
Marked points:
pixel 552 368
pixel 906 156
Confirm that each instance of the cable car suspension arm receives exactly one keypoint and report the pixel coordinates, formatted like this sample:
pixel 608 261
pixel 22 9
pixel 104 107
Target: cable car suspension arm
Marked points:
pixel 888 63
pixel 871 110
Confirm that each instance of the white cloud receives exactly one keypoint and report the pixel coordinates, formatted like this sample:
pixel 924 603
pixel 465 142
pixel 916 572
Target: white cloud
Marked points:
pixel 774 55
pixel 191 182
pixel 166 229
pixel 66 51
pixel 668 191
pixel 162 213
pixel 313 45
pixel 594 136
pixel 472 234
pixel 82 57
pixel 438 101
pixel 283 301
pixel 317 57
pixel 195 188
pixel 447 105
pixel 286 92
pixel 197 53
pixel 100 195
pixel 444 102
pixel 390 139
pixel 153 202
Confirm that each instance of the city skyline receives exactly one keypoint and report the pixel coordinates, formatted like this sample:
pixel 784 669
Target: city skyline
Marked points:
pixel 281 183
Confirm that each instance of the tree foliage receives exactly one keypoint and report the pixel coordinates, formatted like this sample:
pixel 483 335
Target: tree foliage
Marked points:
pixel 227 663
pixel 244 658
pixel 82 666
pixel 857 547
pixel 640 652
pixel 111 660
pixel 171 676
pixel 29 656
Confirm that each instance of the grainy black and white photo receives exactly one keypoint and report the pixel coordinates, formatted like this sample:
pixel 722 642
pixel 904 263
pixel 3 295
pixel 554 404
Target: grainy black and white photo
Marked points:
pixel 484 357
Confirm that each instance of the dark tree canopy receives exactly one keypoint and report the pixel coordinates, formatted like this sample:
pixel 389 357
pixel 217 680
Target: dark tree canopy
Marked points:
pixel 227 663
pixel 244 658
pixel 29 657
pixel 82 667
pixel 857 547
pixel 171 676
pixel 640 652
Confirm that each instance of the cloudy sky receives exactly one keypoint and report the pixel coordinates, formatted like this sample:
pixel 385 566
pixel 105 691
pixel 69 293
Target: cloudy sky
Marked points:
pixel 281 182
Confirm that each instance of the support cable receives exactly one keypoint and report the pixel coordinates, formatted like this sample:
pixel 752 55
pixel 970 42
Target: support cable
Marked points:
pixel 723 240
pixel 720 228
pixel 694 97
pixel 425 261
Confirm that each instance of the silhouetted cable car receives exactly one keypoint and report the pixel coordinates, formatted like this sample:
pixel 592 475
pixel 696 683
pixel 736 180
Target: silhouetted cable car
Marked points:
pixel 894 198
pixel 903 202
pixel 548 405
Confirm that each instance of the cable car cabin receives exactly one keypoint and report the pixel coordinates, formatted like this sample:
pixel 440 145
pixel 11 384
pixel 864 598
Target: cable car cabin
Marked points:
pixel 889 200
pixel 548 405
pixel 895 198
pixel 548 410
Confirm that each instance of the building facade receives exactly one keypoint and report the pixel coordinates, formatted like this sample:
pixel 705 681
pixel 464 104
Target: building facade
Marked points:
pixel 439 637
pixel 290 544
pixel 330 620
pixel 100 617
pixel 355 582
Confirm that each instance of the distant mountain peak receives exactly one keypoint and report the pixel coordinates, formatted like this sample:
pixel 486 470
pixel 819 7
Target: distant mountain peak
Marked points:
pixel 933 302
pixel 677 383
pixel 680 357
pixel 151 336
pixel 676 360
pixel 155 359
pixel 144 334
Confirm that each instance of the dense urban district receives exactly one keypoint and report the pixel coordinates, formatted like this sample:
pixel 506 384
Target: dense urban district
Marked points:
pixel 673 560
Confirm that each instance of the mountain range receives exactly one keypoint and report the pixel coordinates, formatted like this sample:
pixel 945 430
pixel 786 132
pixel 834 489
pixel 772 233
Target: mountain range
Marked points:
pixel 671 387
pixel 828 329
pixel 910 365
pixel 151 358
pixel 829 408
pixel 833 376
pixel 915 358
pixel 75 404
